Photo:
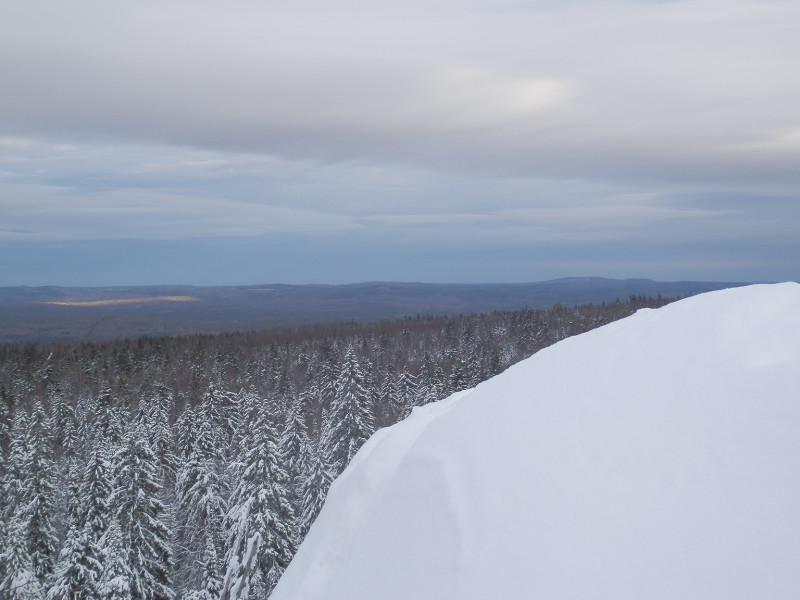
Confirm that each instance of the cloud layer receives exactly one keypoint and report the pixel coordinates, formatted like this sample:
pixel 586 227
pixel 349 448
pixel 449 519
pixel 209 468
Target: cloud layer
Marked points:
pixel 504 123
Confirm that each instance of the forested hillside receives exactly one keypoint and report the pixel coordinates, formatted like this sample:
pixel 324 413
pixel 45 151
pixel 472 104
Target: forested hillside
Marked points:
pixel 192 467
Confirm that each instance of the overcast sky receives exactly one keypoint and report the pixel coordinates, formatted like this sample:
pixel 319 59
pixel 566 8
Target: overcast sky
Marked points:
pixel 209 142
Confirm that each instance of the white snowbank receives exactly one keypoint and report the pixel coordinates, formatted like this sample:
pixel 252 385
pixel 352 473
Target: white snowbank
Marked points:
pixel 656 457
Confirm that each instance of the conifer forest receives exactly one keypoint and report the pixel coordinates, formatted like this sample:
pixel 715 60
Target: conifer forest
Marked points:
pixel 191 467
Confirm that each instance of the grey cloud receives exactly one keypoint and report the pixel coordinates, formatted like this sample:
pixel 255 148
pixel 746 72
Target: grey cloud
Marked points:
pixel 42 213
pixel 666 91
pixel 152 192
pixel 499 133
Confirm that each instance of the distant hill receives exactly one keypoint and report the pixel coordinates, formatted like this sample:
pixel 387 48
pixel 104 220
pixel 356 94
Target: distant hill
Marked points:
pixel 30 314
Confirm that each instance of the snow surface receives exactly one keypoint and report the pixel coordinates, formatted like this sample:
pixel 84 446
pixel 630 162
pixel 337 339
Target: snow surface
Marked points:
pixel 655 457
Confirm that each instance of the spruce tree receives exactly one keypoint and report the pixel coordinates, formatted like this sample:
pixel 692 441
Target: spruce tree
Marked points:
pixel 28 544
pixel 11 488
pixel 211 582
pixel 425 391
pixel 220 409
pixel 350 422
pixel 5 427
pixel 186 434
pixel 315 482
pixel 200 505
pixel 97 490
pixel 116 582
pixel 159 431
pixel 108 423
pixel 36 504
pixel 405 397
pixel 293 440
pixel 138 511
pixel 20 581
pixel 79 569
pixel 260 514
pixel 387 400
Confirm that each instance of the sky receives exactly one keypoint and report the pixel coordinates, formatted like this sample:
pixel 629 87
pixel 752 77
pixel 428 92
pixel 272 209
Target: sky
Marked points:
pixel 222 143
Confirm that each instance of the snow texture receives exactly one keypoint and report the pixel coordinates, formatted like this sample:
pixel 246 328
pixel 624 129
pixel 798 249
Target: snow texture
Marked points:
pixel 655 457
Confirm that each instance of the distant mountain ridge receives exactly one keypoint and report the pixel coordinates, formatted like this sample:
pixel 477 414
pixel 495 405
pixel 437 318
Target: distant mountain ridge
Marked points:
pixel 52 313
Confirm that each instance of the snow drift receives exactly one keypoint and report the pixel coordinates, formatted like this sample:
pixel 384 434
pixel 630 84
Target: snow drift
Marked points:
pixel 656 457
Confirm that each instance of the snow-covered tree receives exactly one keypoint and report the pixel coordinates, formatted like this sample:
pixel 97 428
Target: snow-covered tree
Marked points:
pixel 405 394
pixel 5 425
pixel 219 408
pixel 36 503
pixel 108 423
pixel 11 490
pixel 294 435
pixel 29 542
pixel 79 569
pixel 20 581
pixel 159 431
pixel 386 398
pixel 238 578
pixel 211 582
pixel 425 391
pixel 117 578
pixel 186 433
pixel 260 508
pixel 350 421
pixel 137 509
pixel 293 440
pixel 80 566
pixel 97 490
pixel 313 487
pixel 200 505
pixel 13 467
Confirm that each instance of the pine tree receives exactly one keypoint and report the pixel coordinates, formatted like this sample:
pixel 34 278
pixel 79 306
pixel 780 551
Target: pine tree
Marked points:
pixel 97 490
pixel 260 514
pixel 441 386
pixel 294 435
pixel 387 400
pixel 459 377
pixel 425 391
pixel 350 421
pixel 13 478
pixel 314 487
pixel 28 543
pixel 5 427
pixel 405 394
pixel 36 504
pixel 108 422
pixel 117 579
pixel 186 427
pixel 211 584
pixel 4 539
pixel 200 505
pixel 238 578
pixel 220 409
pixel 138 511
pixel 293 439
pixel 20 581
pixel 79 569
pixel 160 434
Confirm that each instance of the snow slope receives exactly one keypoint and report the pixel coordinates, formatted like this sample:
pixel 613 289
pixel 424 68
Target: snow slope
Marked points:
pixel 656 457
